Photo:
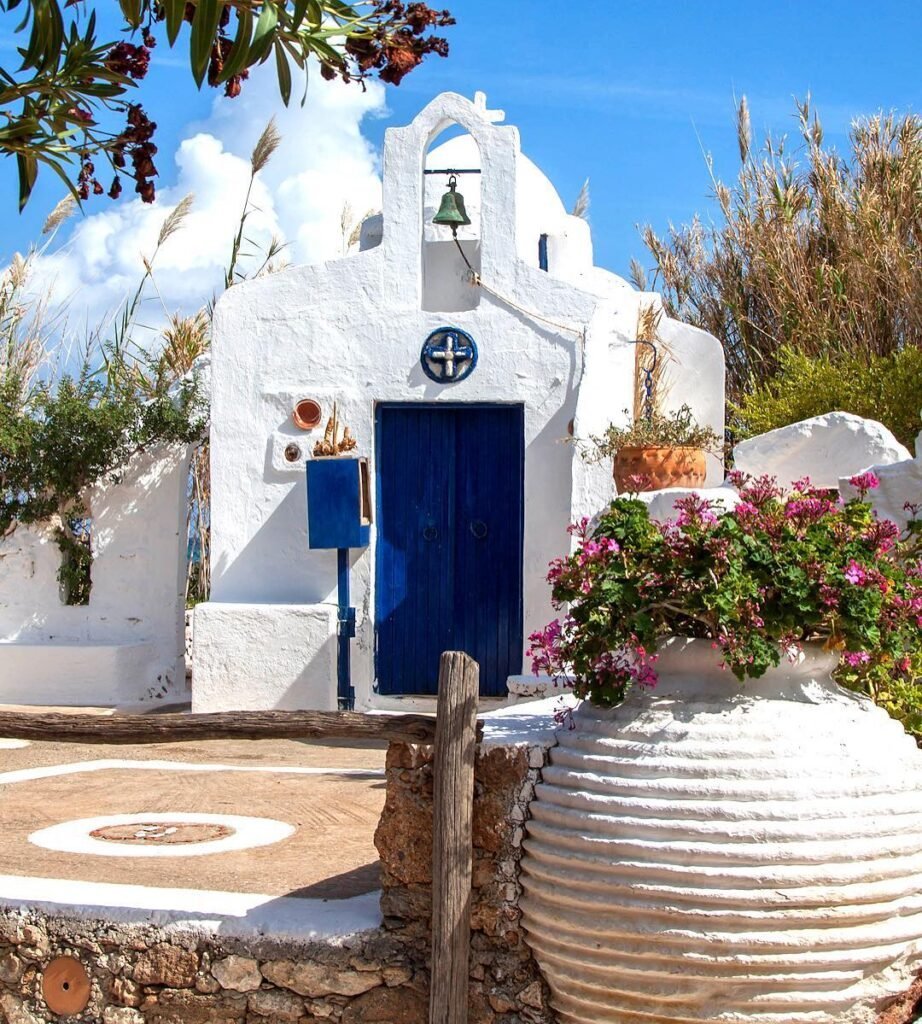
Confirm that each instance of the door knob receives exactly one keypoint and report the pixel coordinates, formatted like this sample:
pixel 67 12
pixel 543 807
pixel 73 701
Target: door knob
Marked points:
pixel 430 533
pixel 478 528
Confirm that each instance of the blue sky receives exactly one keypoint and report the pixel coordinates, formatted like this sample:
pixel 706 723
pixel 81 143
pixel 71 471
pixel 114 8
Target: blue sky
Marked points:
pixel 630 95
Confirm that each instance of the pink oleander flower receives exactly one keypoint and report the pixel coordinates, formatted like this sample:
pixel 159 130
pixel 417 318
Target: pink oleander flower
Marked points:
pixel 555 570
pixel 594 550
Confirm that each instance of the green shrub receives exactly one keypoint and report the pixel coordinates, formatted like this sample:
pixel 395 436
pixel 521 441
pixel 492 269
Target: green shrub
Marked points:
pixel 884 388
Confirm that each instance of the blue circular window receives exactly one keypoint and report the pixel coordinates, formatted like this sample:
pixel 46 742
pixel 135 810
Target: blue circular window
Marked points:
pixel 449 355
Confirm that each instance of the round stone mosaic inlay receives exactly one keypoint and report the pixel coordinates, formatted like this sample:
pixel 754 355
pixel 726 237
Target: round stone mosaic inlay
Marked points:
pixel 176 834
pixel 162 832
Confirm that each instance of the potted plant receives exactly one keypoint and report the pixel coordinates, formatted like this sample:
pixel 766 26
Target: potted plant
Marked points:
pixel 724 833
pixel 655 451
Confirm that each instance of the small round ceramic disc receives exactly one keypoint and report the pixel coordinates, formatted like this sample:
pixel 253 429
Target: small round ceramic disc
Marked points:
pixel 66 986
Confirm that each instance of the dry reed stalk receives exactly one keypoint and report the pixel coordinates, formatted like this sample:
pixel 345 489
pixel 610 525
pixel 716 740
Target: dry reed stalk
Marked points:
pixel 267 143
pixel 814 250
pixel 185 339
pixel 24 328
pixel 645 362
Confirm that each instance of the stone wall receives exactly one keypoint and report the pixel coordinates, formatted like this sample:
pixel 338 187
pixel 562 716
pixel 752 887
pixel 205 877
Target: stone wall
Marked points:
pixel 149 976
pixel 506 987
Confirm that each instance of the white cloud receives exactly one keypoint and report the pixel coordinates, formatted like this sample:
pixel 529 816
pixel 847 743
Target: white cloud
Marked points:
pixel 322 163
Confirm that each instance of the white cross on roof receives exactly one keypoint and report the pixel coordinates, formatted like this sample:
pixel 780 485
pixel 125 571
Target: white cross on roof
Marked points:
pixel 480 105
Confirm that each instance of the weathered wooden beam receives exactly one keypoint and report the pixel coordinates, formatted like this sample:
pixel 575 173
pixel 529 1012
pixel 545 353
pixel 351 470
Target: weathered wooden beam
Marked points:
pixel 452 837
pixel 224 725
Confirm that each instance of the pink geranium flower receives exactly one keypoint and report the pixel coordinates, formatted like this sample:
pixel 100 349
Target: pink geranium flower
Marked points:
pixel 856 574
pixel 864 482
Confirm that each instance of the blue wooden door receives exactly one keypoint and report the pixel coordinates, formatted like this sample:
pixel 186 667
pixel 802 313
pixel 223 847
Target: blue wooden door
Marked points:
pixel 449 544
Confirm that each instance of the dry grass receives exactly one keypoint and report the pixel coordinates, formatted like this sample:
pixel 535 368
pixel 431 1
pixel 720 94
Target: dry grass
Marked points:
pixel 814 250
pixel 24 329
pixel 647 363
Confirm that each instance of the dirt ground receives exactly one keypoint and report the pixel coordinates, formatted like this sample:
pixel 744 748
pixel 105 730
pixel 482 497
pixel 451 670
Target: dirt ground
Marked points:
pixel 330 855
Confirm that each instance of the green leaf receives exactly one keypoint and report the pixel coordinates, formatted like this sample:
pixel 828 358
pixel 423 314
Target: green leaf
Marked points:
pixel 204 28
pixel 283 70
pixel 28 172
pixel 175 9
pixel 132 11
pixel 262 38
pixel 297 15
pixel 342 10
pixel 237 59
pixel 47 37
pixel 324 51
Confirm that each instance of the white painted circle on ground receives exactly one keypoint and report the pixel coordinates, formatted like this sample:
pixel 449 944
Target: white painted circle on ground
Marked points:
pixel 13 744
pixel 246 833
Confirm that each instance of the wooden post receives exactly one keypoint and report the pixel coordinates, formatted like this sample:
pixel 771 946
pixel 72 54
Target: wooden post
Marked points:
pixel 452 836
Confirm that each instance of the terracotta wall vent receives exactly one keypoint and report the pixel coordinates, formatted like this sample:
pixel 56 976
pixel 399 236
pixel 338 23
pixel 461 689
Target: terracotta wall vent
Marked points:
pixel 307 413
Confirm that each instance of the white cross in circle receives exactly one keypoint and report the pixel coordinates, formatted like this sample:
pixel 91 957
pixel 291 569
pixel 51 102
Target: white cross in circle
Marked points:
pixel 449 354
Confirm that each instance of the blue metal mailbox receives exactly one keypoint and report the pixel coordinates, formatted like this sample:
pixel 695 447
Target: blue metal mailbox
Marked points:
pixel 339 516
pixel 338 503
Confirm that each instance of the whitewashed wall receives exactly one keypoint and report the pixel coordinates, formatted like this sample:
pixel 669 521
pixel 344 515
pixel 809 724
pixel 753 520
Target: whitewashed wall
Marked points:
pixel 126 645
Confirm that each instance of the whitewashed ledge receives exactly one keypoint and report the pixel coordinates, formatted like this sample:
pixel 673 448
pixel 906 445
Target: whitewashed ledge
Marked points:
pixel 531 724
pixel 537 687
pixel 199 911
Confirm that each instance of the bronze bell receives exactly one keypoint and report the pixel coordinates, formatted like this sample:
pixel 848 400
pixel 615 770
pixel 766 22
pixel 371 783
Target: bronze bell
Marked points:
pixel 452 212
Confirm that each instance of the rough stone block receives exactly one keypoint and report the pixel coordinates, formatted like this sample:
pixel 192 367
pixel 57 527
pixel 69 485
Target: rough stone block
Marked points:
pixel 275 1005
pixel 824 448
pixel 239 973
pixel 312 979
pixel 388 1006
pixel 166 965
pixel 121 1015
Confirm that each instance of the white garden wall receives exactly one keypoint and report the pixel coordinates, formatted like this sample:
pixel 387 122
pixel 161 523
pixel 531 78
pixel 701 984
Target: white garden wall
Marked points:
pixel 126 645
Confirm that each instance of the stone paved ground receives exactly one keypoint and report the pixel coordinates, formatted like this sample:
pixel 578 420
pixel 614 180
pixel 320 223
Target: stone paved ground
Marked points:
pixel 330 855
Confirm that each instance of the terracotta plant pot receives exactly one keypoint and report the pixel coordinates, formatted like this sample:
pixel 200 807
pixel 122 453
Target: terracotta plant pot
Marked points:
pixel 711 850
pixel 659 468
